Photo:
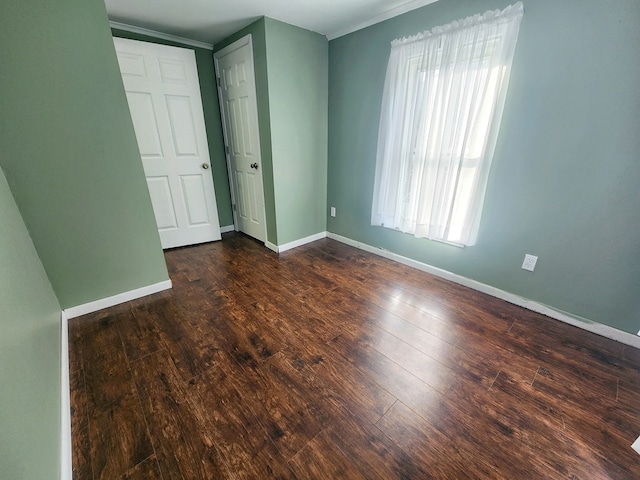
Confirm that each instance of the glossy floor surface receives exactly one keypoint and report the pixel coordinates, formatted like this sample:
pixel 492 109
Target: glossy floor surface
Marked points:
pixel 327 362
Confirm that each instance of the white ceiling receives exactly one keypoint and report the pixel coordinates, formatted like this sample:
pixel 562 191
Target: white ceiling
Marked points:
pixel 210 21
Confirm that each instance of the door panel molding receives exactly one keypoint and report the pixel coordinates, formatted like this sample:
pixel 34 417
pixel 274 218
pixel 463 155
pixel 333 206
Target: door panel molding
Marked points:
pixel 163 93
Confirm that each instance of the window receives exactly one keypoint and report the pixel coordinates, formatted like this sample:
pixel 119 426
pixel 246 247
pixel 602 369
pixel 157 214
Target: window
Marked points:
pixel 442 102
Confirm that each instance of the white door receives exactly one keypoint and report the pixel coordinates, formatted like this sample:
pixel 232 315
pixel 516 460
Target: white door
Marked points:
pixel 163 92
pixel 237 95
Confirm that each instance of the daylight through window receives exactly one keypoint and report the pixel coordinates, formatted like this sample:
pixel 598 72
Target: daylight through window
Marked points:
pixel 443 98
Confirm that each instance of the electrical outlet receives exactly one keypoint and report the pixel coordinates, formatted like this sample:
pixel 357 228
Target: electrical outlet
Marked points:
pixel 529 262
pixel 333 211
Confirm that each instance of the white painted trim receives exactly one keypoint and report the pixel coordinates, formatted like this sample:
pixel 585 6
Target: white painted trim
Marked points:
pixel 636 445
pixel 295 243
pixel 241 42
pixel 227 228
pixel 91 307
pixel 301 241
pixel 163 36
pixel 583 323
pixel 393 12
pixel 66 468
pixel 271 246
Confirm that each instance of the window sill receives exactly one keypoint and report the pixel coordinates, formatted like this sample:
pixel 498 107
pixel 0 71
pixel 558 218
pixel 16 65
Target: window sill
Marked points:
pixel 446 242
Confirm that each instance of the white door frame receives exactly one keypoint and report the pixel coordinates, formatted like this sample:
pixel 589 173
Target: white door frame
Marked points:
pixel 247 39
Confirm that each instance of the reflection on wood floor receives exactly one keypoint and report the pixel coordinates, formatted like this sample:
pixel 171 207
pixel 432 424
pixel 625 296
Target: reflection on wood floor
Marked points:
pixel 327 362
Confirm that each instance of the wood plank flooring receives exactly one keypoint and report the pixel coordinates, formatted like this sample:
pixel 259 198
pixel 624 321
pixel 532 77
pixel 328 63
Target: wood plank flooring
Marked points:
pixel 327 362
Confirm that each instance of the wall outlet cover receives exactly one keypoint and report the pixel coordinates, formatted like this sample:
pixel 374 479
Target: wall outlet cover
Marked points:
pixel 529 262
pixel 636 445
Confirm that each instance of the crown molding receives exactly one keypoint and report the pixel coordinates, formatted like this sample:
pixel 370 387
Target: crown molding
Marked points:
pixel 393 12
pixel 163 36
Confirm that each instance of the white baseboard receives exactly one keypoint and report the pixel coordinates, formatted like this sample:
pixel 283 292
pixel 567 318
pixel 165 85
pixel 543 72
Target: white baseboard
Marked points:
pixel 295 243
pixel 91 307
pixel 66 468
pixel 66 465
pixel 576 321
pixel 227 229
pixel 301 241
pixel 271 246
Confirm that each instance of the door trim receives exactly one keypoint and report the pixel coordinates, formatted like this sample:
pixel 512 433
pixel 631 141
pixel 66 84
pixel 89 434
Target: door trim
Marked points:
pixel 247 39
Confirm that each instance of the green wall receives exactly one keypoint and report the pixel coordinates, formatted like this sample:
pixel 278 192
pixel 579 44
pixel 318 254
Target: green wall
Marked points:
pixel 291 89
pixel 69 151
pixel 565 176
pixel 209 94
pixel 29 354
pixel 297 71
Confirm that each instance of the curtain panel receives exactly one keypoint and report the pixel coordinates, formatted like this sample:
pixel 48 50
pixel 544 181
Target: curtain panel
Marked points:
pixel 441 108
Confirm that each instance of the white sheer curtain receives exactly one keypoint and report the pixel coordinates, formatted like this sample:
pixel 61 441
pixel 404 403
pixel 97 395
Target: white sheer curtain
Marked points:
pixel 443 98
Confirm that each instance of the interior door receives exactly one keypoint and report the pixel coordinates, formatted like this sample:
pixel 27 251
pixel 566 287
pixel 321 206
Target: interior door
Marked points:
pixel 163 92
pixel 237 96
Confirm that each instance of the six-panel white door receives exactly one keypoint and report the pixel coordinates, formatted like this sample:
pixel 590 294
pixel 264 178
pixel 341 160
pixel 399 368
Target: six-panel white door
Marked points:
pixel 163 92
pixel 237 95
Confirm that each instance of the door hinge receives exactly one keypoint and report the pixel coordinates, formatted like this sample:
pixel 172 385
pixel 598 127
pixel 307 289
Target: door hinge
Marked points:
pixel 226 149
pixel 233 205
pixel 218 81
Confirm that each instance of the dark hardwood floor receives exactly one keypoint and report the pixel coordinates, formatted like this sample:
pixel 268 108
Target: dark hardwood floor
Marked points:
pixel 327 362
